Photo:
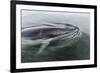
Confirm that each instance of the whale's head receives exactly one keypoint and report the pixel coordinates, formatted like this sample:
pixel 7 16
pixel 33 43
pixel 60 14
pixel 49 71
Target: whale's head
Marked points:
pixel 54 36
pixel 48 31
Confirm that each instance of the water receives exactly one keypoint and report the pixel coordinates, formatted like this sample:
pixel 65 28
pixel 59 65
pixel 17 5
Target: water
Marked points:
pixel 76 50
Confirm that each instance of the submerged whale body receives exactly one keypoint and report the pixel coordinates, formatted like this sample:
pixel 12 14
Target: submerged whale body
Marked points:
pixel 53 36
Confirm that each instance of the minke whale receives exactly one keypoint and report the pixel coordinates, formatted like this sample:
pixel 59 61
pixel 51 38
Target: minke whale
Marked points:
pixel 52 35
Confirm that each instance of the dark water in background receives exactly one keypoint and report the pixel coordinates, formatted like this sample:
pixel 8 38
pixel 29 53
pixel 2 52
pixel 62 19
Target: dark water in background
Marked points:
pixel 79 50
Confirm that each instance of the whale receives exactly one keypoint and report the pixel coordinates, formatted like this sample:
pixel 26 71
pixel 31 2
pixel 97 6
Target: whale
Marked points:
pixel 52 35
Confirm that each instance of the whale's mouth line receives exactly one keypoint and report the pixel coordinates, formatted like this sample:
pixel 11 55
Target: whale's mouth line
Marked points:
pixel 70 35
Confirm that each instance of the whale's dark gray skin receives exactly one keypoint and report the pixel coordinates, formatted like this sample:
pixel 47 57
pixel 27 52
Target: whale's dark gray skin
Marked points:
pixel 45 33
pixel 61 34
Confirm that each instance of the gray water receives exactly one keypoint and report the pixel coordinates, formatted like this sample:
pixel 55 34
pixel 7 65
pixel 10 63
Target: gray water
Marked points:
pixel 80 50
